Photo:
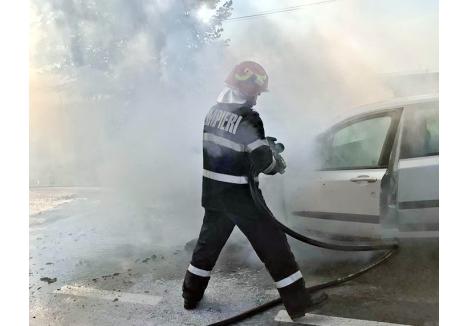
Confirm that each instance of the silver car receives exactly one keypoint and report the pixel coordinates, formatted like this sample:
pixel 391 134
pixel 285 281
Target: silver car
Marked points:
pixel 378 174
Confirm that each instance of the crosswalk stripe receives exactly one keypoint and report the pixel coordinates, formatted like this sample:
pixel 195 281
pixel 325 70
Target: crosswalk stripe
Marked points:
pixel 87 292
pixel 322 320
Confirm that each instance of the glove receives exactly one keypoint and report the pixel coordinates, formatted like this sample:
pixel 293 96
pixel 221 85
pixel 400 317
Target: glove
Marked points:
pixel 277 148
pixel 280 166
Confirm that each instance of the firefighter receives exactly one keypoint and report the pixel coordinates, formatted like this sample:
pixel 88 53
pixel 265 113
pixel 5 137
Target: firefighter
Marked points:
pixel 233 144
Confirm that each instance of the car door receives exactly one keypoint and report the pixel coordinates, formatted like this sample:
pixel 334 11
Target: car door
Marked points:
pixel 343 196
pixel 418 171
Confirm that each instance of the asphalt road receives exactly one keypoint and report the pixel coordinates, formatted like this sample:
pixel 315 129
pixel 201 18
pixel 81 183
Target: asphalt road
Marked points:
pixel 97 258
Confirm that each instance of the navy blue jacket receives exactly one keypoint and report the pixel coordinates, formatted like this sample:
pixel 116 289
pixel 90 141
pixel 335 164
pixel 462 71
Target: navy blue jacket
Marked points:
pixel 233 144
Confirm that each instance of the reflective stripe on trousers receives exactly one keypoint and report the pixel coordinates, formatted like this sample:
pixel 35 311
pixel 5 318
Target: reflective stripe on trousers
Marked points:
pixel 198 271
pixel 289 280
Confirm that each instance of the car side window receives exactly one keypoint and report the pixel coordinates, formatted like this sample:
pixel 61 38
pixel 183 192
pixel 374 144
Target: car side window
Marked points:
pixel 420 135
pixel 357 145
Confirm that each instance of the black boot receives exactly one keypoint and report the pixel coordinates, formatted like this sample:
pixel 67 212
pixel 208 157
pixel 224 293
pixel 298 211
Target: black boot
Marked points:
pixel 190 304
pixel 295 298
pixel 192 290
pixel 316 299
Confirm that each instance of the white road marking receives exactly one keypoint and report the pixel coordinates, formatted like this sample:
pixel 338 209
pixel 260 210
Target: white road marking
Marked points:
pixel 321 320
pixel 82 291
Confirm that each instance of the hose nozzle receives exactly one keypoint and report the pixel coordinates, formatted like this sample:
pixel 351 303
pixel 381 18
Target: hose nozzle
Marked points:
pixel 277 148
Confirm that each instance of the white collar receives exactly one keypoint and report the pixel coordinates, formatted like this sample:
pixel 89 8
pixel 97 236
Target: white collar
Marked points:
pixel 230 96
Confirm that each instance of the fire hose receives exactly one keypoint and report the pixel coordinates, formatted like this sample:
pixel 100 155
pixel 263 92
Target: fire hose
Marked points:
pixel 390 246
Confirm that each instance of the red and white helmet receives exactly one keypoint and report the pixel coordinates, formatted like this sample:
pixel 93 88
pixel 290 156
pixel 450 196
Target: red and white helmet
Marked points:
pixel 249 78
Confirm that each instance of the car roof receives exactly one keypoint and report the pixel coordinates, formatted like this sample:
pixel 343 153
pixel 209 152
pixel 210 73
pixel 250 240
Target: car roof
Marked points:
pixel 396 102
pixel 381 106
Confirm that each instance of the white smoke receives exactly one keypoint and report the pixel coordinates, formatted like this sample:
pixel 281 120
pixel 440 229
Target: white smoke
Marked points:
pixel 119 89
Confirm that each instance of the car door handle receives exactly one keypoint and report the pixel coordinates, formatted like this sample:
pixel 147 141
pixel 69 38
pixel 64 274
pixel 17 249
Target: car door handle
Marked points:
pixel 364 178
